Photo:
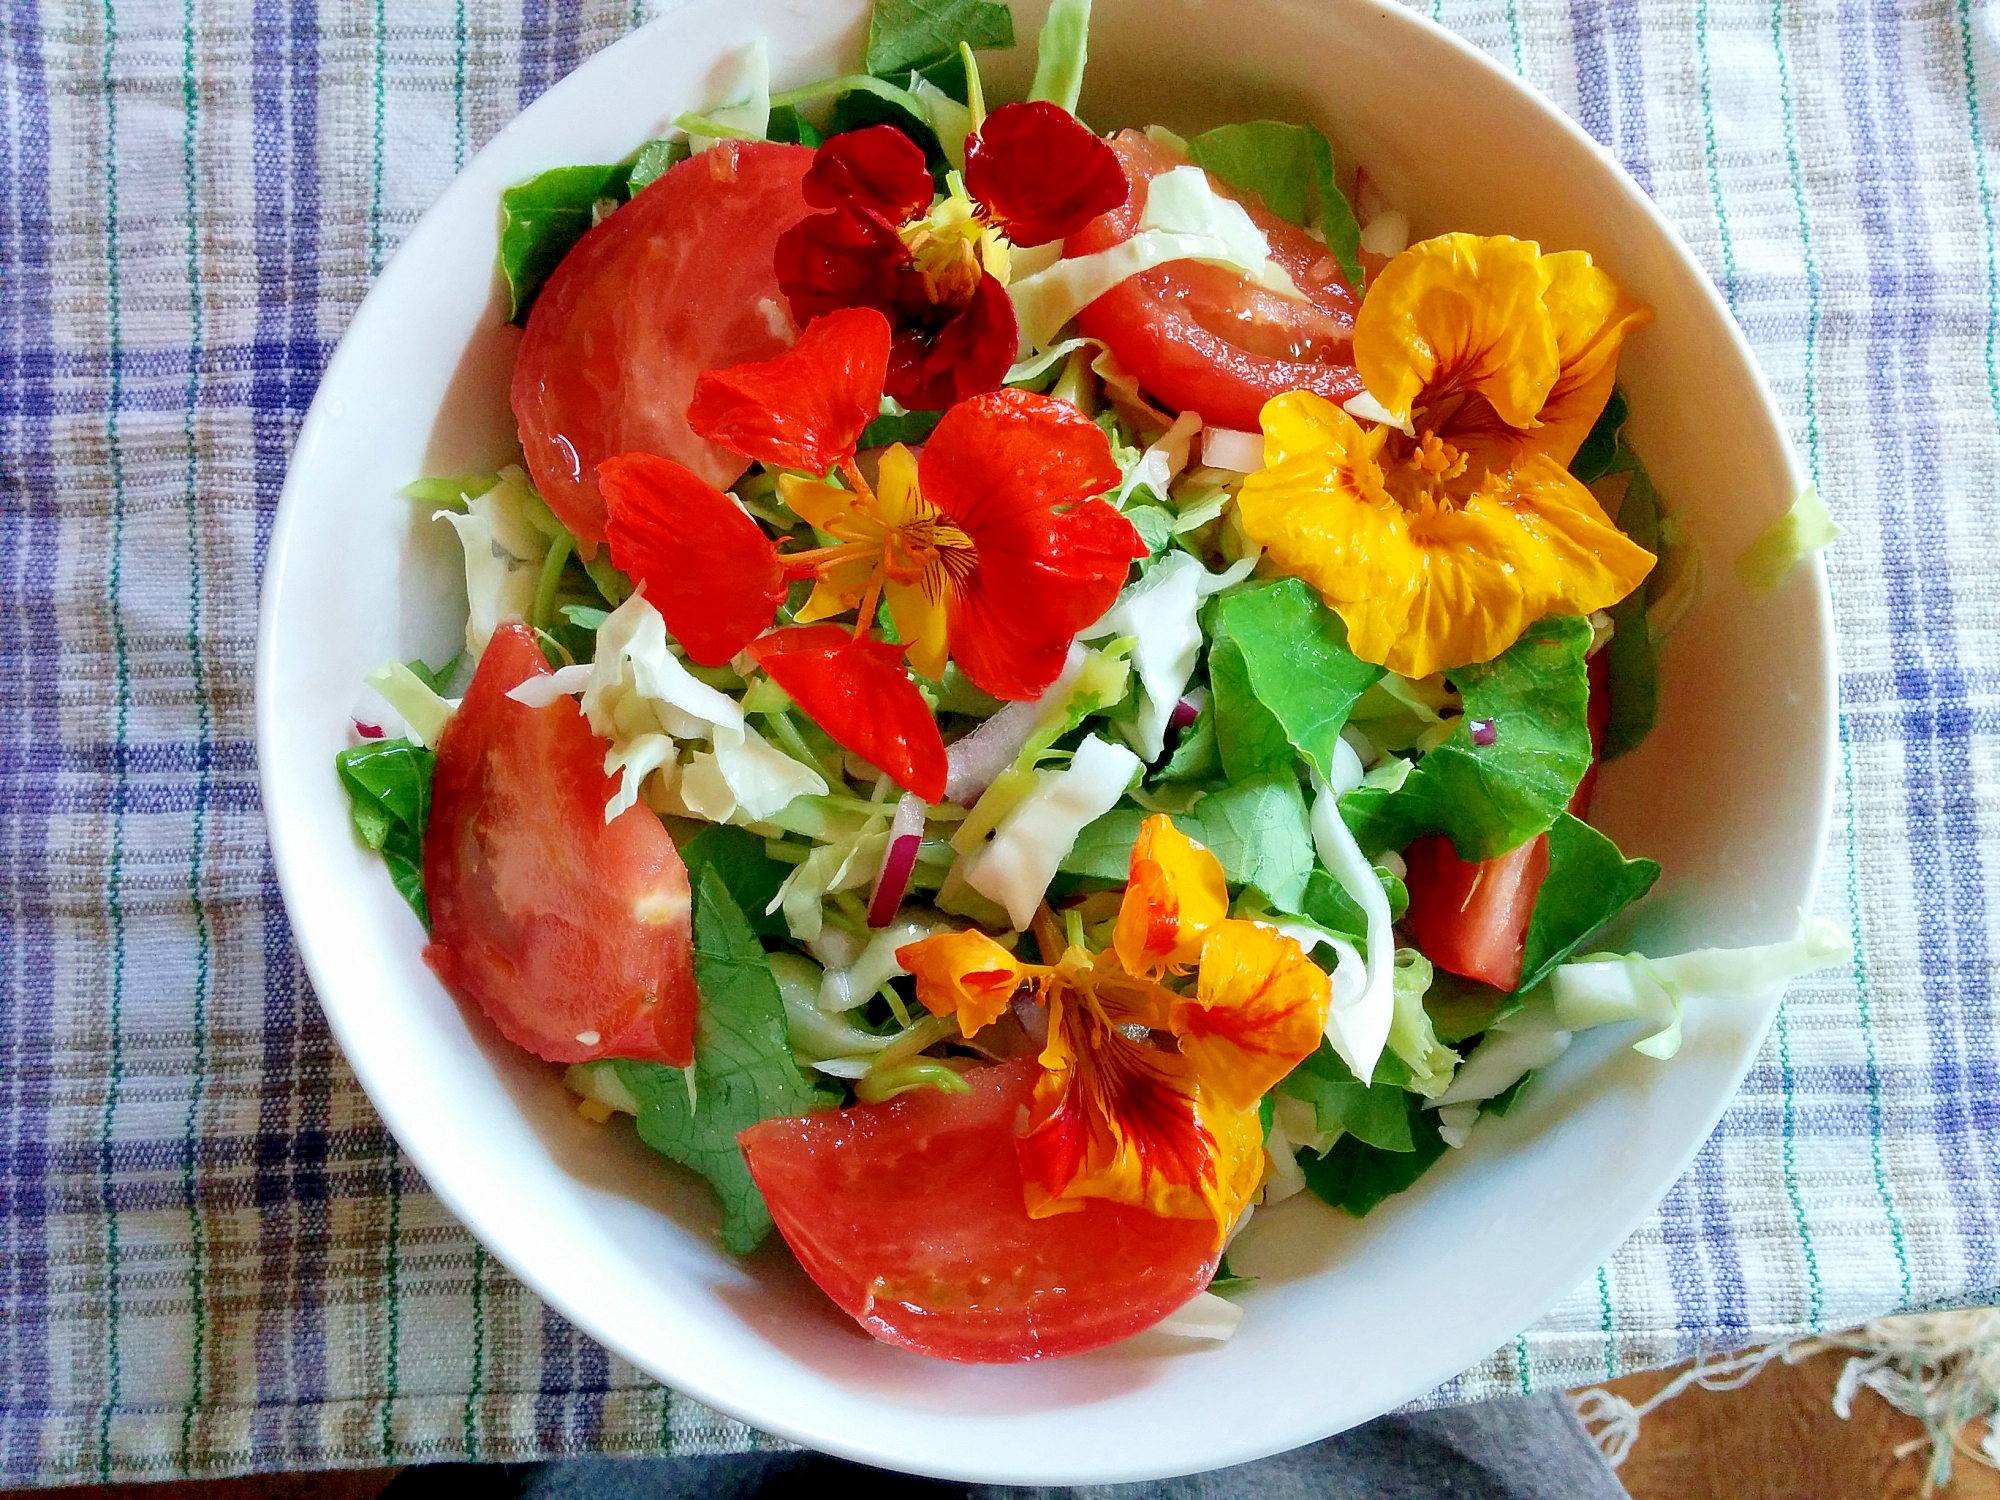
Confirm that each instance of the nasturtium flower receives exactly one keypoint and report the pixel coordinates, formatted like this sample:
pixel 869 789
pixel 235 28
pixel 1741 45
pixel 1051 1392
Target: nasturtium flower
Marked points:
pixel 1441 533
pixel 1148 1095
pixel 938 270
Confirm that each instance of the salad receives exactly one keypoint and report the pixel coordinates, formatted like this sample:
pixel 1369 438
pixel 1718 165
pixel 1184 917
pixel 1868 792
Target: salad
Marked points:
pixel 1034 693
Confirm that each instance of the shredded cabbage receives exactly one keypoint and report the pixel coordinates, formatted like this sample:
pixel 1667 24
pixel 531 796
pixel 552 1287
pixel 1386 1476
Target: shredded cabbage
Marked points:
pixel 748 113
pixel 1205 1316
pixel 1161 462
pixel 1412 1037
pixel 875 965
pixel 1185 219
pixel 843 864
pixel 1016 867
pixel 424 713
pixel 1356 1024
pixel 1160 613
pixel 1061 50
pixel 504 549
pixel 1786 542
pixel 951 122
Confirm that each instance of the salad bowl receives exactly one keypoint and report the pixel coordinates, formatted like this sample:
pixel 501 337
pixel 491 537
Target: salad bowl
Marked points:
pixel 1348 1318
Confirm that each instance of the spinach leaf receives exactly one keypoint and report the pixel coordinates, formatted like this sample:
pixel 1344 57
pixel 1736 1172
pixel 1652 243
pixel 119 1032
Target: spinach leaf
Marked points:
pixel 1491 798
pixel 903 427
pixel 389 798
pixel 434 678
pixel 1258 829
pixel 1462 1008
pixel 1630 668
pixel 905 34
pixel 1227 1281
pixel 540 220
pixel 1155 525
pixel 1291 168
pixel 653 160
pixel 743 1070
pixel 1248 736
pixel 1589 882
pixel 753 877
pixel 1325 903
pixel 1294 653
pixel 1379 1115
pixel 1603 451
pixel 1355 1176
pixel 787 124
pixel 1503 1102
pixel 1196 757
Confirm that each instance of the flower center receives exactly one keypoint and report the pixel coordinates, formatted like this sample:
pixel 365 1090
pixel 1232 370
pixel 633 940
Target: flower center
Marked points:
pixel 953 246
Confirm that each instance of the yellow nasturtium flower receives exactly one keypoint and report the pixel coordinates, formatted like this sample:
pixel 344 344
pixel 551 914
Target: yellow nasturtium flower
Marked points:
pixel 1147 1095
pixel 1442 533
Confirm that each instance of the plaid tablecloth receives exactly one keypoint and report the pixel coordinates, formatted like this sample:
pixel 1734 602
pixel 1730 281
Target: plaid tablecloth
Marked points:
pixel 214 1259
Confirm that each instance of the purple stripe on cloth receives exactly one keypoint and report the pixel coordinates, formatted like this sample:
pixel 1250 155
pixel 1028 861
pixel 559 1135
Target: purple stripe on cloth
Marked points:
pixel 1593 69
pixel 1725 1313
pixel 1681 1235
pixel 558 1380
pixel 1938 774
pixel 1628 52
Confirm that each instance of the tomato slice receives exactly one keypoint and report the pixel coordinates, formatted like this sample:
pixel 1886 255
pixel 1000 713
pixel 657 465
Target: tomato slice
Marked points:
pixel 1473 918
pixel 1202 338
pixel 909 1216
pixel 676 282
pixel 572 934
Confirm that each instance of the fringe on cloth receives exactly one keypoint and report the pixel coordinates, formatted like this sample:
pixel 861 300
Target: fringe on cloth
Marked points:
pixel 1941 1368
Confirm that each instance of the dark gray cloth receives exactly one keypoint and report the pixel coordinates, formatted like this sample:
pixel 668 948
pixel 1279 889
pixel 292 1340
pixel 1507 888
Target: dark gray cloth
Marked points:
pixel 1526 1449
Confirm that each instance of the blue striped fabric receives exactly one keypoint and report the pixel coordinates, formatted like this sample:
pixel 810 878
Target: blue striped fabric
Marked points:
pixel 214 1260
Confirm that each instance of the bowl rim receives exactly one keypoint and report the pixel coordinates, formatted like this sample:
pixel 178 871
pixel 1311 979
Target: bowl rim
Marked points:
pixel 688 1378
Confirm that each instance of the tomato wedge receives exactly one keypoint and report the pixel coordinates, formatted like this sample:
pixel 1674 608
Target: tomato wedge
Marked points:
pixel 909 1216
pixel 676 282
pixel 1473 918
pixel 1202 338
pixel 572 934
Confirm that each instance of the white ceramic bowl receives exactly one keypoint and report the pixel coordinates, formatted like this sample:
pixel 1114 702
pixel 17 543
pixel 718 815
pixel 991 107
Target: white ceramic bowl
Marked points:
pixel 1731 793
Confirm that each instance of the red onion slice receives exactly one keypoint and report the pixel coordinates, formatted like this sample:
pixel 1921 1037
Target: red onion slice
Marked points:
pixel 982 755
pixel 1484 732
pixel 906 832
pixel 1225 448
pixel 1185 713
pixel 368 731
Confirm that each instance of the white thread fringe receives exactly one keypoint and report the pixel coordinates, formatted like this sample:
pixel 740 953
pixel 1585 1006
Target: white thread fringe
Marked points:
pixel 1941 1368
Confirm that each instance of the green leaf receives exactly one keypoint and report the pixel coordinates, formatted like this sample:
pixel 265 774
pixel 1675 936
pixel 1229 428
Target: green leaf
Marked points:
pixel 389 798
pixel 1195 758
pixel 1354 1176
pixel 434 678
pixel 653 160
pixel 1227 1281
pixel 903 427
pixel 1291 168
pixel 542 218
pixel 1341 1102
pixel 1154 523
pixel 1258 829
pixel 1294 651
pixel 1462 1008
pixel 787 124
pixel 1061 50
pixel 1603 452
pixel 1503 1102
pixel 1631 680
pixel 1325 903
pixel 905 34
pixel 752 876
pixel 1492 798
pixel 743 1070
pixel 1248 736
pixel 859 108
pixel 1589 882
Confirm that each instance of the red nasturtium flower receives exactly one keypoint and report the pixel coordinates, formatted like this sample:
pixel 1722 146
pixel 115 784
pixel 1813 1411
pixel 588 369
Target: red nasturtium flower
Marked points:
pixel 994 548
pixel 1033 174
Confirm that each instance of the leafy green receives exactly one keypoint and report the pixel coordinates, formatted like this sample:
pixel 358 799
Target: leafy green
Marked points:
pixel 1291 168
pixel 1631 677
pixel 1195 758
pixel 541 218
pixel 861 107
pixel 1503 1102
pixel 389 798
pixel 1227 1281
pixel 437 679
pixel 752 876
pixel 1461 1009
pixel 1324 903
pixel 905 34
pixel 1061 50
pixel 447 492
pixel 1248 736
pixel 1604 451
pixel 743 1070
pixel 787 124
pixel 1294 653
pixel 652 162
pixel 1341 1102
pixel 1492 798
pixel 900 427
pixel 1258 829
pixel 1154 523
pixel 1355 1176
pixel 1412 1037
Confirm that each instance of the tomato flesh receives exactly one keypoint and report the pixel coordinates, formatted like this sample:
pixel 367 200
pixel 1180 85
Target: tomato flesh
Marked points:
pixel 676 282
pixel 1472 918
pixel 572 934
pixel 909 1216
pixel 1202 338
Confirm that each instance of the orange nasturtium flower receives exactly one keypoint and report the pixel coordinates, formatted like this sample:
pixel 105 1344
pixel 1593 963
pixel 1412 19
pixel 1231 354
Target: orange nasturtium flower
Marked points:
pixel 1147 1095
pixel 1440 535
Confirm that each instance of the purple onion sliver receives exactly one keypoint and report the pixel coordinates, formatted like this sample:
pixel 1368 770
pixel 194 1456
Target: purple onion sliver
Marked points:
pixel 894 883
pixel 1185 713
pixel 1484 732
pixel 368 731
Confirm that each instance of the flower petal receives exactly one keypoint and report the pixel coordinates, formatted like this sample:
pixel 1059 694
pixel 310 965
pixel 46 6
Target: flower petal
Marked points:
pixel 1592 316
pixel 1460 314
pixel 878 169
pixel 1118 1118
pixel 942 354
pixel 705 564
pixel 858 692
pixel 832 509
pixel 999 466
pixel 846 258
pixel 1176 893
pixel 965 974
pixel 804 408
pixel 1041 173
pixel 1258 1011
